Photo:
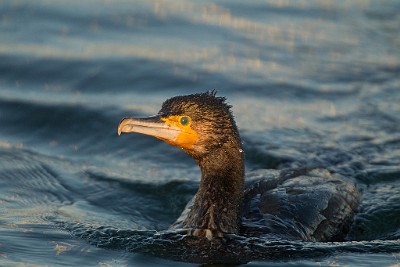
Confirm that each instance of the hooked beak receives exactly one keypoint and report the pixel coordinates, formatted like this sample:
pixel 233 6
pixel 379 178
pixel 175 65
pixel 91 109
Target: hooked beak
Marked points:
pixel 153 126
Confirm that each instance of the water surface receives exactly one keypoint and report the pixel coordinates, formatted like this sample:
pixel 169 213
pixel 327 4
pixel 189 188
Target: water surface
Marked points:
pixel 312 83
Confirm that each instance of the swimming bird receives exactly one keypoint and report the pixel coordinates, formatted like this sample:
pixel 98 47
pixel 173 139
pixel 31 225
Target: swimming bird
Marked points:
pixel 294 204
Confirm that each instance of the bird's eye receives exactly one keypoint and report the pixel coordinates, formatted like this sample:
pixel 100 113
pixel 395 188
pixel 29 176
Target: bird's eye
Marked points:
pixel 184 120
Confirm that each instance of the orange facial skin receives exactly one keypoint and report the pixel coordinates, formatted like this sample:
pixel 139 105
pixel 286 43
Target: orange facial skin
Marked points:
pixel 175 130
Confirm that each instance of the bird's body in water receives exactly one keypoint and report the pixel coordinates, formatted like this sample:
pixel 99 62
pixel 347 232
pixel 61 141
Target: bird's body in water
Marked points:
pixel 301 204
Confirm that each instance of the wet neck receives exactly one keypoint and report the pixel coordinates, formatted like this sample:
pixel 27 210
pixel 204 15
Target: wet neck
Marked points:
pixel 218 201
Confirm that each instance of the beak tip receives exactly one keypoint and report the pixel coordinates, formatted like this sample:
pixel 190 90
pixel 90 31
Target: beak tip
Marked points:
pixel 119 131
pixel 120 127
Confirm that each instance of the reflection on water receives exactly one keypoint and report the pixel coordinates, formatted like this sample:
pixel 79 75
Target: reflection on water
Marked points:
pixel 265 43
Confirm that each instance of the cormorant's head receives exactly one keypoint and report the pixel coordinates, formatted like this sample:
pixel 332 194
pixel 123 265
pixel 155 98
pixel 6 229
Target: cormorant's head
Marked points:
pixel 197 123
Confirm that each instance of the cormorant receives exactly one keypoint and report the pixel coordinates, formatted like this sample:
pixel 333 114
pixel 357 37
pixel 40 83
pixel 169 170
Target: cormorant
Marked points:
pixel 295 204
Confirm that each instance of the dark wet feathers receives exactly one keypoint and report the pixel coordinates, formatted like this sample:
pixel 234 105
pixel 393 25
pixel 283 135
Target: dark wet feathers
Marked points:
pixel 301 204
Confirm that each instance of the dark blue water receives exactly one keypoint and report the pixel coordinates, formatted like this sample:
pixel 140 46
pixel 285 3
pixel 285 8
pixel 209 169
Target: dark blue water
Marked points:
pixel 311 83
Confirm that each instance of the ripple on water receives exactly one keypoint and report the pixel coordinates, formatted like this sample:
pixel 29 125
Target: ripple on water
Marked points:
pixel 230 249
pixel 31 189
